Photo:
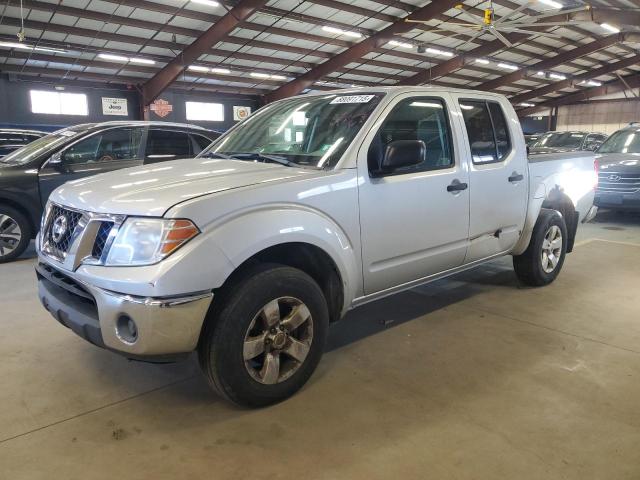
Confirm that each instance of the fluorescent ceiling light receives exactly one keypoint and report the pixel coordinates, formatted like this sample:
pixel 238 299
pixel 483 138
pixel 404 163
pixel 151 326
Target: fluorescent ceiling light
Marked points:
pixel 482 61
pixel 557 76
pixel 208 3
pixel 278 77
pixel 507 66
pixel 197 68
pixel 540 74
pixel 525 104
pixel 339 31
pixel 590 83
pixel 115 58
pixel 436 51
pixel 144 61
pixel 220 70
pixel 259 75
pixel 400 44
pixel 24 46
pixel 610 28
pixel 551 3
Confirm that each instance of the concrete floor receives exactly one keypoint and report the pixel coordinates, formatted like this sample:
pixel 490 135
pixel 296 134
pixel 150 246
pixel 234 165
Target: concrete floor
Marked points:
pixel 468 378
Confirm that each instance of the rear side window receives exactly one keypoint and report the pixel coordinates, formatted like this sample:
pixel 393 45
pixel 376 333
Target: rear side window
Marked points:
pixel 415 118
pixel 487 131
pixel 165 145
pixel 200 143
pixel 111 145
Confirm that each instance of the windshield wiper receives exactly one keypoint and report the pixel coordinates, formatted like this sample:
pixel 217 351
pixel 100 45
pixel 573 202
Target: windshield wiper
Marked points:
pixel 266 158
pixel 216 155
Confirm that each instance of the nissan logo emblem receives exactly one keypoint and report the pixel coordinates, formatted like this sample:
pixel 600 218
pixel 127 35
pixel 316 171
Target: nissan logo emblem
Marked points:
pixel 59 228
pixel 614 178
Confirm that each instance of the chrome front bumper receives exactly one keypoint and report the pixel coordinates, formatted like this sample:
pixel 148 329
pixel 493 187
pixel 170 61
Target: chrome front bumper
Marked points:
pixel 164 327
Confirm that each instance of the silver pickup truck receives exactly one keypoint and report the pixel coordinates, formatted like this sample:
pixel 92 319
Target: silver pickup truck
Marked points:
pixel 312 206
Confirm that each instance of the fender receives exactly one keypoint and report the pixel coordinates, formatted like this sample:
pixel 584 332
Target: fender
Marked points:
pixel 572 186
pixel 244 234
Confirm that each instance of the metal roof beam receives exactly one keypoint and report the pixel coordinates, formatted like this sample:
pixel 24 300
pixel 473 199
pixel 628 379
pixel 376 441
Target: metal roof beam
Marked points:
pixel 359 50
pixel 550 63
pixel 217 32
pixel 615 86
pixel 557 86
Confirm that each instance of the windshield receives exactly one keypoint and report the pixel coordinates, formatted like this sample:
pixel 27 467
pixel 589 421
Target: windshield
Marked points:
pixel 623 141
pixel 560 140
pixel 308 132
pixel 36 148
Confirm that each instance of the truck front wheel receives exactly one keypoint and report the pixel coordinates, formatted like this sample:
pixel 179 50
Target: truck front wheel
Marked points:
pixel 266 335
pixel 541 263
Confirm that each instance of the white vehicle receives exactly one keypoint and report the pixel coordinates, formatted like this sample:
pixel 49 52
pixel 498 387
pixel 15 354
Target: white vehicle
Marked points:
pixel 312 206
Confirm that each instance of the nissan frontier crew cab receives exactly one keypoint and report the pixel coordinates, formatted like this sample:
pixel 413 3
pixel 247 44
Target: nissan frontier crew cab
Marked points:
pixel 312 206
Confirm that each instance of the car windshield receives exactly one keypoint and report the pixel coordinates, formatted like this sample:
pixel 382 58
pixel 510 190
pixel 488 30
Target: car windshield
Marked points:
pixel 36 148
pixel 623 141
pixel 560 140
pixel 304 131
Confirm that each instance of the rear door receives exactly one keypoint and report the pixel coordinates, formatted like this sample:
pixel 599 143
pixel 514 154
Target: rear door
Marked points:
pixel 498 174
pixel 414 221
pixel 100 152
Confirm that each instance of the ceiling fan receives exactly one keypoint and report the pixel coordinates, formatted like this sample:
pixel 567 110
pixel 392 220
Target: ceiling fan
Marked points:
pixel 478 25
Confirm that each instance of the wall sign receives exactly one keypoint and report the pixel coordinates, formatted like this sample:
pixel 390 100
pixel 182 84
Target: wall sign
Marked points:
pixel 114 106
pixel 240 113
pixel 162 108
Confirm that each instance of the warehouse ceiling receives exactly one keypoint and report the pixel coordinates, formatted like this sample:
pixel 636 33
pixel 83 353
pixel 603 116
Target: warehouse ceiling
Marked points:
pixel 283 47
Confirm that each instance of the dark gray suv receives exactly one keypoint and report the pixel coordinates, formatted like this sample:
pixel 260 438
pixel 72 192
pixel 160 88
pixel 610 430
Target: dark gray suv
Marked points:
pixel 619 170
pixel 30 174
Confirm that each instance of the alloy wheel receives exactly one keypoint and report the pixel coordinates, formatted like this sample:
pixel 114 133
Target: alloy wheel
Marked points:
pixel 551 248
pixel 278 340
pixel 10 235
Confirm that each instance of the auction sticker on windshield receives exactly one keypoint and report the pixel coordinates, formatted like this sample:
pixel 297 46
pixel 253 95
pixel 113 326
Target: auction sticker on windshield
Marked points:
pixel 353 99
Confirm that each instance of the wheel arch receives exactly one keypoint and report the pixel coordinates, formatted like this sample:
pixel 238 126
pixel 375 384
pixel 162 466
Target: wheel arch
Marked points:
pixel 553 199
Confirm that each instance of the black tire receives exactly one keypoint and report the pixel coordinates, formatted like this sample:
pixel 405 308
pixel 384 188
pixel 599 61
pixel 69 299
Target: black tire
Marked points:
pixel 221 346
pixel 11 249
pixel 529 266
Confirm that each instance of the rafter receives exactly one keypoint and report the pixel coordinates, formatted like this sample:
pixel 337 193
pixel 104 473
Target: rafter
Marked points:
pixel 614 86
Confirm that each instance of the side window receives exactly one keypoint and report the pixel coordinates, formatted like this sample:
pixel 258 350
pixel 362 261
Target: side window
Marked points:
pixel 163 145
pixel 415 118
pixel 199 143
pixel 487 131
pixel 111 145
pixel 501 130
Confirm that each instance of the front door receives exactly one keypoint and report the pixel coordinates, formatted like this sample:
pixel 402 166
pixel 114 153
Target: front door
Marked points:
pixel 498 172
pixel 414 221
pixel 100 152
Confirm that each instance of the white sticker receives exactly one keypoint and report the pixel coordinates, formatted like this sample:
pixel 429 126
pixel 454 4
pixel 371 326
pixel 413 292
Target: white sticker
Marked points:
pixel 353 99
pixel 114 106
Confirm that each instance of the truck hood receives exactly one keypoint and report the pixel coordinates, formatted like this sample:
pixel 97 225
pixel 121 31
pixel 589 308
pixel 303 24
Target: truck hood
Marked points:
pixel 619 162
pixel 150 190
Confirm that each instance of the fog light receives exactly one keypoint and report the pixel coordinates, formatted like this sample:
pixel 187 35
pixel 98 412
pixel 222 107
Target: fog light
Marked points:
pixel 126 329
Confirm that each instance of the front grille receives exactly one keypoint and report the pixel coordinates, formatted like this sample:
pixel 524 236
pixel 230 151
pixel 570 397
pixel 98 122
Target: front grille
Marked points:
pixel 61 226
pixel 614 182
pixel 101 239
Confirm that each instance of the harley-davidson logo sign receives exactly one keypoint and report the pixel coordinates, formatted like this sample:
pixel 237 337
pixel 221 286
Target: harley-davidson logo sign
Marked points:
pixel 162 108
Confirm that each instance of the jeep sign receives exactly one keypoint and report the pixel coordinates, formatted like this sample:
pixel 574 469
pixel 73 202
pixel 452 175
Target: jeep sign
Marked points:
pixel 114 106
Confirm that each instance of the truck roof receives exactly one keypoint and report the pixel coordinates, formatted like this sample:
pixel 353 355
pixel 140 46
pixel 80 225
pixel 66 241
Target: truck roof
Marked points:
pixel 407 88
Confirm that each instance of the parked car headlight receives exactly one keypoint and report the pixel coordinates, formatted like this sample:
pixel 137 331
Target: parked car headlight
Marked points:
pixel 144 241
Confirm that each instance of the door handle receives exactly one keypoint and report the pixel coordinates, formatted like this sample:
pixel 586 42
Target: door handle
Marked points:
pixel 456 186
pixel 516 177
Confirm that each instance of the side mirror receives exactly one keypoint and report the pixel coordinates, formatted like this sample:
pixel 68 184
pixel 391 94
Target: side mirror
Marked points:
pixel 403 153
pixel 55 159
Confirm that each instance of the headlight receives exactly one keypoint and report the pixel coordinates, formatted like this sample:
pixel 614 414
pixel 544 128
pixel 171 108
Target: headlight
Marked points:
pixel 144 241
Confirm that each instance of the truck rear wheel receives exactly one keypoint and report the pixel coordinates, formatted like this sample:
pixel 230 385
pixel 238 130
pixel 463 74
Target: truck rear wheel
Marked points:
pixel 265 338
pixel 541 263
pixel 15 233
